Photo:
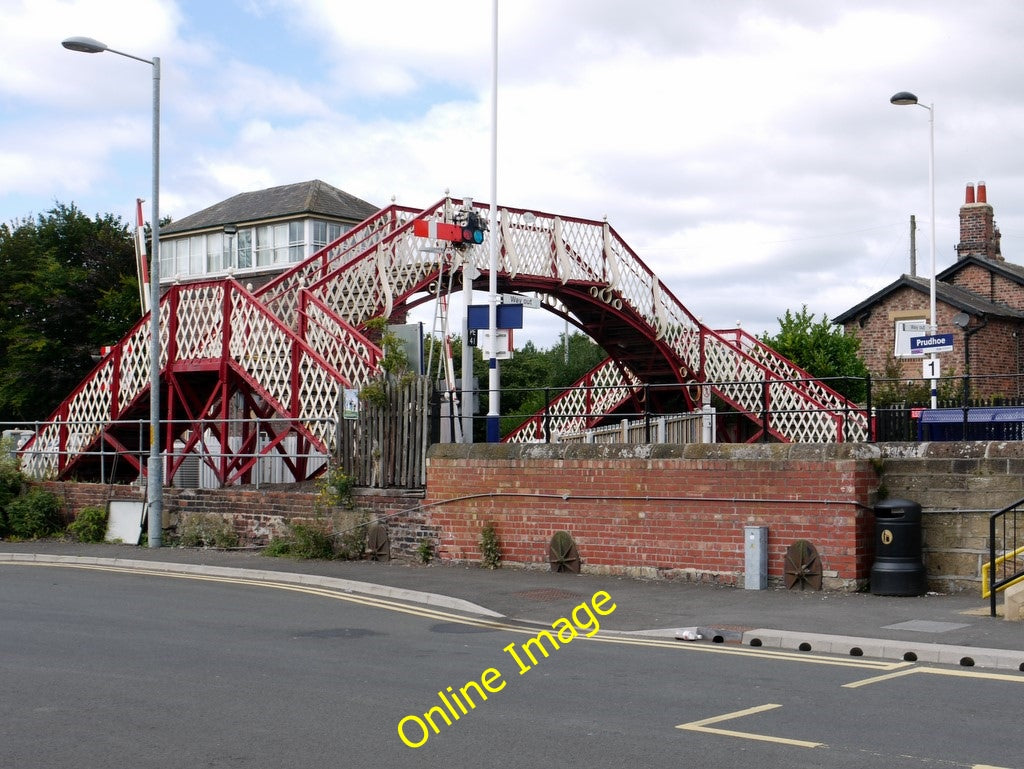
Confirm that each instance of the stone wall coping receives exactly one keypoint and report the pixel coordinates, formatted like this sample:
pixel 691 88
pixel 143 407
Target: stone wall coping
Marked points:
pixel 504 452
pixel 823 452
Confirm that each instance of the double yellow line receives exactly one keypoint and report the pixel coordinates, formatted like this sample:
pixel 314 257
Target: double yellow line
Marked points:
pixel 427 612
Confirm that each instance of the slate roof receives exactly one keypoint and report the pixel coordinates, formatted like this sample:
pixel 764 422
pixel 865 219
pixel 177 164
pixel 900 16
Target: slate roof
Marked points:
pixel 1008 270
pixel 315 198
pixel 963 300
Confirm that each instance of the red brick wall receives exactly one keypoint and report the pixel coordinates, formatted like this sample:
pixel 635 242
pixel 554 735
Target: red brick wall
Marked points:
pixel 680 515
pixel 664 511
pixel 989 285
pixel 257 514
pixel 76 496
pixel 994 350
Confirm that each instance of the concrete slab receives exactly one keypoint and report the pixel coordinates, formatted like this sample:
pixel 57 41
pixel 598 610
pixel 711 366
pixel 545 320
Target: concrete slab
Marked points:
pixel 926 626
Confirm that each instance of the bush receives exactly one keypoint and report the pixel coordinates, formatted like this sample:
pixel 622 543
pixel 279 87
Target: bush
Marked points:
pixel 90 525
pixel 278 548
pixel 490 547
pixel 311 542
pixel 302 541
pixel 11 482
pixel 335 488
pixel 206 530
pixel 425 551
pixel 34 514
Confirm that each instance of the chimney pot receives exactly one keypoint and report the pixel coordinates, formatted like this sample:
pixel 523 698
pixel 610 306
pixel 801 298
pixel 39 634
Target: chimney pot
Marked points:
pixel 970 194
pixel 982 194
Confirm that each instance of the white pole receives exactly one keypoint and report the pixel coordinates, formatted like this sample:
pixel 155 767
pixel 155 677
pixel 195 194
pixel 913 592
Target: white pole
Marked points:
pixel 469 272
pixel 494 373
pixel 156 485
pixel 933 320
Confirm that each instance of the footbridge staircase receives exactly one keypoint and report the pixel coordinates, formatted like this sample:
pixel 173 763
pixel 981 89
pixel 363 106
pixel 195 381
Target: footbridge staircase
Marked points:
pixel 280 357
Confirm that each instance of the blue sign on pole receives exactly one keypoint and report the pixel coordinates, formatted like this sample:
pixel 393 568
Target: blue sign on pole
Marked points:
pixel 933 343
pixel 508 316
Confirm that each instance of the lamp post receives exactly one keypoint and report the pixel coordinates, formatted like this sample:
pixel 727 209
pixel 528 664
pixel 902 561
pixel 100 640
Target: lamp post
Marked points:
pixel 905 98
pixel 493 371
pixel 230 230
pixel 155 485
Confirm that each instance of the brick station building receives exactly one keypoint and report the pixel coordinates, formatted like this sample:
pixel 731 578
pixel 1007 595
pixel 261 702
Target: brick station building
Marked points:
pixel 979 300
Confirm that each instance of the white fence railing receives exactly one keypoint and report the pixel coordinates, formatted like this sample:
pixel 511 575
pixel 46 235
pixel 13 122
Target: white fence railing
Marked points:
pixel 195 468
pixel 669 428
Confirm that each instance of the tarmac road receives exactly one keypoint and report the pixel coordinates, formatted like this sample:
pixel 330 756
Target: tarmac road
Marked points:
pixel 905 624
pixel 108 662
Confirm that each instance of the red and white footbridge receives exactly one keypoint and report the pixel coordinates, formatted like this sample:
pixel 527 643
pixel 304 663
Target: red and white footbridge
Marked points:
pixel 281 357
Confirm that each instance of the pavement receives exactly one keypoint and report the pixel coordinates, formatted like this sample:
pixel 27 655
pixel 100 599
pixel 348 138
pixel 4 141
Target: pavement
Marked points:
pixel 951 629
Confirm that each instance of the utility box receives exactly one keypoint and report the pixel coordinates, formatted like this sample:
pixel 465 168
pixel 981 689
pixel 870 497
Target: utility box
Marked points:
pixel 755 547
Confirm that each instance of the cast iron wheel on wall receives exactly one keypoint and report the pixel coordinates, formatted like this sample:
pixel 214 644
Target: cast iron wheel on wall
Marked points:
pixel 562 553
pixel 802 566
pixel 378 543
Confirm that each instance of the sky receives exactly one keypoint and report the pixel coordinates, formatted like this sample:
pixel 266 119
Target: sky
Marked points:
pixel 747 151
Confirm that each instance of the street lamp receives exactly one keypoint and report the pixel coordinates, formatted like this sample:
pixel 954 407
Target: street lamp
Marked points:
pixel 493 369
pixel 230 230
pixel 155 488
pixel 902 99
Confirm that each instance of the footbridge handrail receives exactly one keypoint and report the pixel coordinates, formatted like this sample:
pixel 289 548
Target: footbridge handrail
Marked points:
pixel 202 325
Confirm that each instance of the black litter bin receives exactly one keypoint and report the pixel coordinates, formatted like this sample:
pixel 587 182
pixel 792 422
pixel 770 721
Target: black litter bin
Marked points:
pixel 898 569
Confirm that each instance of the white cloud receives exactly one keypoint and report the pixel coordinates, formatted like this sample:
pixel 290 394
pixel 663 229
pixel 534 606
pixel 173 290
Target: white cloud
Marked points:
pixel 748 152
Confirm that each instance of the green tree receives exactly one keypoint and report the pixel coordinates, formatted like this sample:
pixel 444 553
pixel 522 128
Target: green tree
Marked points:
pixel 525 376
pixel 69 287
pixel 823 350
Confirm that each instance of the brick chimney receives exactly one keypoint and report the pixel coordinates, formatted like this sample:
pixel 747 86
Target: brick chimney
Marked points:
pixel 979 235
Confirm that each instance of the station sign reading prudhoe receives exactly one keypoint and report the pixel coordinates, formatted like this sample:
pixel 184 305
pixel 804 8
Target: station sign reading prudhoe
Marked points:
pixel 932 343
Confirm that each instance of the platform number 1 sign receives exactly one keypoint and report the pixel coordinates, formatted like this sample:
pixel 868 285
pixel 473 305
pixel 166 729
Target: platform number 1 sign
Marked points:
pixel 931 368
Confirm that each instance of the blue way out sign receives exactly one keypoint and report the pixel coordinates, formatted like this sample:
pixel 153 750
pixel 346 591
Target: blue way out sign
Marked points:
pixel 933 343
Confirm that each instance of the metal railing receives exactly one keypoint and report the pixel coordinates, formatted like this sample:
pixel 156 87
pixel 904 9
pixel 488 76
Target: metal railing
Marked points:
pixel 38 459
pixel 650 411
pixel 1005 537
pixel 647 402
pixel 856 422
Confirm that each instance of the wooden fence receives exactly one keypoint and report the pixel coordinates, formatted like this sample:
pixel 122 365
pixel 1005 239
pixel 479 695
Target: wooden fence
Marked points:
pixel 385 446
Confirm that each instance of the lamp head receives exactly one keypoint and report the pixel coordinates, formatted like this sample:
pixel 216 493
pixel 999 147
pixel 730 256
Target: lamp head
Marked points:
pixel 903 98
pixel 84 45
